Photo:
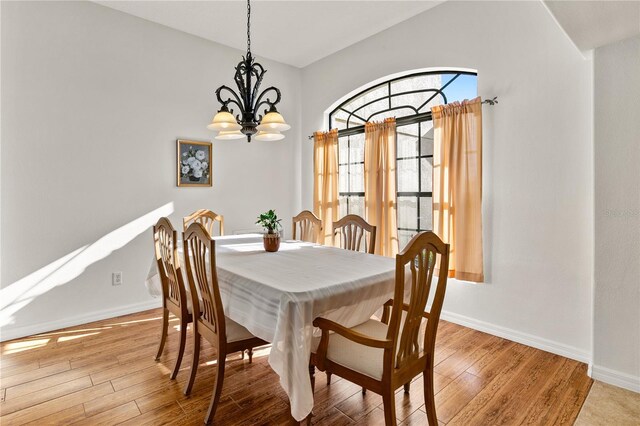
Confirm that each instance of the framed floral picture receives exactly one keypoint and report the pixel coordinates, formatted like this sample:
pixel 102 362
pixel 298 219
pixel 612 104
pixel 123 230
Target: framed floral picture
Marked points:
pixel 193 163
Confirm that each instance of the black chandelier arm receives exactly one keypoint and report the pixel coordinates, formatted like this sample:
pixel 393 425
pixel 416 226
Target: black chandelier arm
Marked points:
pixel 241 69
pixel 259 71
pixel 260 102
pixel 257 66
pixel 224 103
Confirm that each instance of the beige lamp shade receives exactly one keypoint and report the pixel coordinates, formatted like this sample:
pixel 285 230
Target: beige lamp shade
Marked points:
pixel 224 120
pixel 268 136
pixel 229 135
pixel 273 121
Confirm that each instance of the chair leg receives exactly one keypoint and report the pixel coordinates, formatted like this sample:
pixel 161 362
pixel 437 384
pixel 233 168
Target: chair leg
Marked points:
pixel 329 378
pixel 250 353
pixel 389 402
pixel 194 362
pixel 364 391
pixel 217 389
pixel 163 337
pixel 407 387
pixel 429 396
pixel 183 341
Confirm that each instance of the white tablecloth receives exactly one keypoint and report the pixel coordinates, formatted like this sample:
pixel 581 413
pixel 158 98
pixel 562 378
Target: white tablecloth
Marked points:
pixel 276 296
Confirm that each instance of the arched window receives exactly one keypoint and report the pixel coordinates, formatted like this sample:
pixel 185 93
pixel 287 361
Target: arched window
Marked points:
pixel 409 98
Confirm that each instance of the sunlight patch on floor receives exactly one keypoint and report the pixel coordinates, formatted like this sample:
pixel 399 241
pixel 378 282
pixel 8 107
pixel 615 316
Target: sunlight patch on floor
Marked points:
pixel 21 346
pixel 75 337
pixel 139 321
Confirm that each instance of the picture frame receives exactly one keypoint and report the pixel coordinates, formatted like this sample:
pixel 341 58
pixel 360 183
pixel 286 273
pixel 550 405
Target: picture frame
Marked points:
pixel 193 163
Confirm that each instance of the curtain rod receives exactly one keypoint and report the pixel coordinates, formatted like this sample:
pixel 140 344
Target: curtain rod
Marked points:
pixel 403 121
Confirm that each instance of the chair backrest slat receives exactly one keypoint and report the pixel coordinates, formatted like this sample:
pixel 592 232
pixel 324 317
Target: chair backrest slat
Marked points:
pixel 424 255
pixel 199 249
pixel 353 230
pixel 206 218
pixel 310 227
pixel 165 244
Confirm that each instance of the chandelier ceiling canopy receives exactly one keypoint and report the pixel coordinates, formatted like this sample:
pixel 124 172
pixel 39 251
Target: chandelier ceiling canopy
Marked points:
pixel 249 100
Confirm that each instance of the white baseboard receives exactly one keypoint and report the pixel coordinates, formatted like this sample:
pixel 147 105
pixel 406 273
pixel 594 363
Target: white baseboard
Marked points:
pixel 10 333
pixel 616 378
pixel 519 337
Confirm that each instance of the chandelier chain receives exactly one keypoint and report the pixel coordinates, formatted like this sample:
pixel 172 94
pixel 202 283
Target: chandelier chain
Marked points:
pixel 248 27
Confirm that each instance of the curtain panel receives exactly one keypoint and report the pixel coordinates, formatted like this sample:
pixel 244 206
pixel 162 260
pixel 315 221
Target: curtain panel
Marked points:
pixel 380 193
pixel 325 181
pixel 457 185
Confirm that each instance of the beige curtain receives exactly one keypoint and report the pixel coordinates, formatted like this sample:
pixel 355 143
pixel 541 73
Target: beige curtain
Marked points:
pixel 325 185
pixel 380 184
pixel 457 185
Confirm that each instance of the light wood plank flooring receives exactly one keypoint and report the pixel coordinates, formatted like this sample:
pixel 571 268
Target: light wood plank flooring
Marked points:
pixel 104 373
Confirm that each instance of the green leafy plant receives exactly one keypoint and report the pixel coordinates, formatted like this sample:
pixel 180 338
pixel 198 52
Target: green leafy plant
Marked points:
pixel 269 221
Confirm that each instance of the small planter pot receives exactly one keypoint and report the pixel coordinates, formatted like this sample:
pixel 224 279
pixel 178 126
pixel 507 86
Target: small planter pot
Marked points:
pixel 271 242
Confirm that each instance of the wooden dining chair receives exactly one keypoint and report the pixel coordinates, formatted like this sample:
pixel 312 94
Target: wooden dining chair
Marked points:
pixel 226 335
pixel 383 355
pixel 175 298
pixel 310 227
pixel 206 218
pixel 353 231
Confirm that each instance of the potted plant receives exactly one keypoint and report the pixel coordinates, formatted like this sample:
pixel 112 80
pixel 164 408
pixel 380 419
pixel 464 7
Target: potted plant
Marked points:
pixel 270 222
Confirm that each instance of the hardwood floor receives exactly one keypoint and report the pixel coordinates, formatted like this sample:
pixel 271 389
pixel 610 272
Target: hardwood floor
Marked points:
pixel 104 373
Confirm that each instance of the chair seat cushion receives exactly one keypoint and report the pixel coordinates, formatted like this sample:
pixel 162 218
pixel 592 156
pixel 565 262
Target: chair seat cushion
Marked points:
pixel 357 357
pixel 236 332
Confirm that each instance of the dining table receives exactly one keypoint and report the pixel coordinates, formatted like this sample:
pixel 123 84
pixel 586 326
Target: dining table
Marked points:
pixel 277 295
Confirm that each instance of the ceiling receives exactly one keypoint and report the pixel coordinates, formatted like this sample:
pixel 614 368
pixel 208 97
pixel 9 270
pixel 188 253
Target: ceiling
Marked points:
pixel 592 24
pixel 301 32
pixel 293 32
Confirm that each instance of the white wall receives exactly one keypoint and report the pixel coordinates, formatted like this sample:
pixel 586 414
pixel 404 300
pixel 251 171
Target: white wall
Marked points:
pixel 538 176
pixel 616 334
pixel 93 101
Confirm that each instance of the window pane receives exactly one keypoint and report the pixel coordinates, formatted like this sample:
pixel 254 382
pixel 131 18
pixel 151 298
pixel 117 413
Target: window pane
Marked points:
pixel 464 87
pixel 373 108
pixel 409 129
pixel 343 176
pixel 376 92
pixel 342 209
pixel 407 175
pixel 404 237
pixel 339 119
pixel 407 141
pixel 431 81
pixel 356 205
pixel 357 148
pixel 343 151
pixel 408 212
pixel 426 170
pixel 413 100
pixel 356 178
pixel 426 214
pixel 426 140
pixel 417 83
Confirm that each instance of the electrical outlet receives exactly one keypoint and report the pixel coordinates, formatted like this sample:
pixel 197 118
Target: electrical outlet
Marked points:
pixel 116 278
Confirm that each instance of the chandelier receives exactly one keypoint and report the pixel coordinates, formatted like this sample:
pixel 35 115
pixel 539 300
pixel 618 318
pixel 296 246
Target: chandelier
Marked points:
pixel 249 100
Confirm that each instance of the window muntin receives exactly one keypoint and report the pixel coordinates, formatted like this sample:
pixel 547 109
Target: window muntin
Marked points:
pixel 410 97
